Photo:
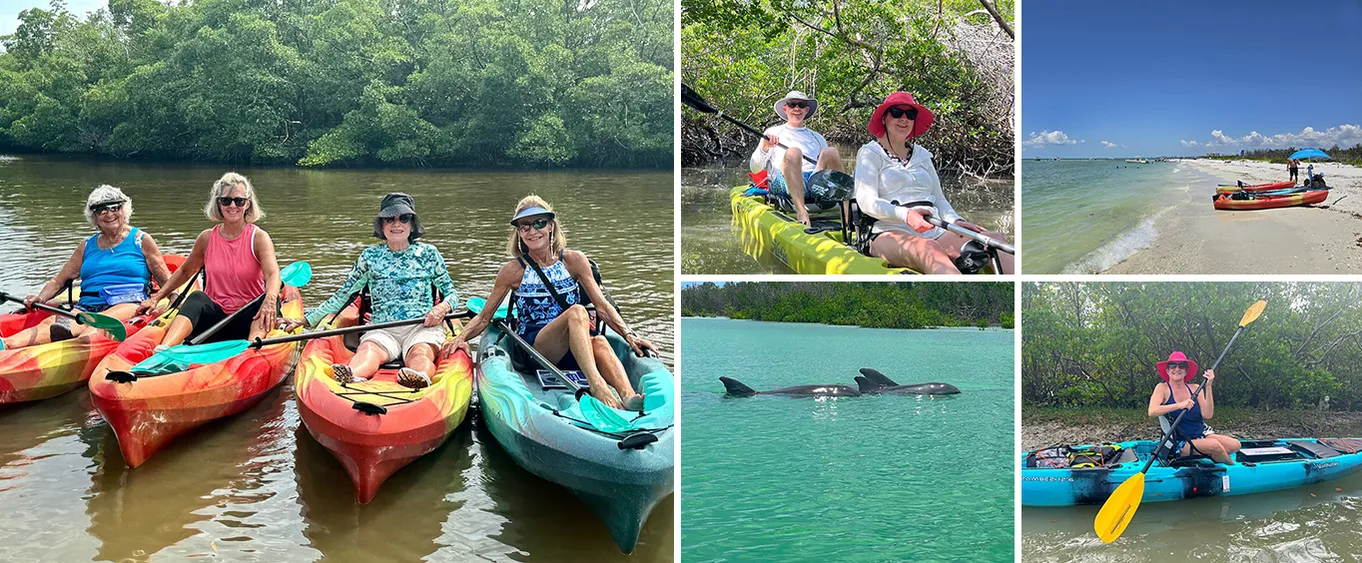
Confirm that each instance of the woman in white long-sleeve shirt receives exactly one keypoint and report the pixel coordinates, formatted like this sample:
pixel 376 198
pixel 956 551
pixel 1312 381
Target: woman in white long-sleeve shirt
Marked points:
pixel 897 184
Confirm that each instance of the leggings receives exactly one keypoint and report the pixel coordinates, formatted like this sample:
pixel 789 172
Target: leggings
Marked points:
pixel 203 314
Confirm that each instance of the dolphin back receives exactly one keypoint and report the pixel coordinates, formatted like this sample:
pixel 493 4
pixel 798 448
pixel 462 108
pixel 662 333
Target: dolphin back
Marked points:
pixel 736 388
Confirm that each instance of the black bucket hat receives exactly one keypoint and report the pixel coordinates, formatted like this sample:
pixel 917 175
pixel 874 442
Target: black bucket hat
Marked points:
pixel 395 204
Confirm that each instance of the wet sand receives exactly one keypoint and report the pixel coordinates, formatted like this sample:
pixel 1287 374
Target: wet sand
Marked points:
pixel 1194 238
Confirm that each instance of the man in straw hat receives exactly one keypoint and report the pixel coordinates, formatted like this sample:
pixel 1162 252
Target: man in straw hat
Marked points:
pixel 789 171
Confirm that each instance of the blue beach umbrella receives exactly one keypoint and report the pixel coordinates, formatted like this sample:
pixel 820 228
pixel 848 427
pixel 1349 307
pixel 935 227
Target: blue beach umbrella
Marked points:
pixel 1308 153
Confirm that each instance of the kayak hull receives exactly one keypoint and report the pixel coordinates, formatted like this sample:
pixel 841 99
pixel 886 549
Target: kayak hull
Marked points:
pixel 1234 188
pixel 1272 201
pixel 150 412
pixel 621 486
pixel 764 229
pixel 1070 487
pixel 39 372
pixel 372 447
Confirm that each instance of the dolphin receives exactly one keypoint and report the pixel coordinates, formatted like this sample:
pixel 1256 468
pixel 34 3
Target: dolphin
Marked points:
pixel 876 383
pixel 736 388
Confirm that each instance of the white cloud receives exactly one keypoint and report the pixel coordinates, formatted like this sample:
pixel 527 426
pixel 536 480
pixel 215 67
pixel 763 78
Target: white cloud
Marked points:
pixel 1108 145
pixel 1049 138
pixel 1343 135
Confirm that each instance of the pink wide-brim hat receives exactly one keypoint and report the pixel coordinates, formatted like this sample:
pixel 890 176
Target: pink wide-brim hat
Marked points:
pixel 920 125
pixel 1178 357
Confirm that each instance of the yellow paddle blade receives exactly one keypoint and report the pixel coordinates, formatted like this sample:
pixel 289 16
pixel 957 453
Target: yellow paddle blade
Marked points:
pixel 1252 313
pixel 1119 509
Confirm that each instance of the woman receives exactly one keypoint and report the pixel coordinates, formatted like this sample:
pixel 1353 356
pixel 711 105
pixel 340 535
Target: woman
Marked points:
pixel 560 331
pixel 897 183
pixel 1170 399
pixel 402 276
pixel 238 265
pixel 115 267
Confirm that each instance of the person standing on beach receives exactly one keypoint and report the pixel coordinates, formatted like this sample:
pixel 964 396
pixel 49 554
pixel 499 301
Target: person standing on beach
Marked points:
pixel 1293 166
pixel 789 171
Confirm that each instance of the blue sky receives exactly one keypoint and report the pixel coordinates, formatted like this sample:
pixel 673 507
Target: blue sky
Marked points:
pixel 9 10
pixel 1158 77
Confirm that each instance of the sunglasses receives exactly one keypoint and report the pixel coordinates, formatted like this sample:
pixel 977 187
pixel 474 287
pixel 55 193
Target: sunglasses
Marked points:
pixel 797 105
pixel 1177 365
pixel 897 112
pixel 100 209
pixel 404 218
pixel 537 225
pixel 228 201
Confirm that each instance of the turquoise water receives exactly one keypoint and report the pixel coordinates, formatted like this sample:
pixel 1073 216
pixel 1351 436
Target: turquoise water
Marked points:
pixel 1084 216
pixel 873 478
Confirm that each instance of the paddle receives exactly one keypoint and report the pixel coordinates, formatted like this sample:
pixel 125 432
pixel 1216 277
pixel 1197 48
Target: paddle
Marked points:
pixel 841 182
pixel 596 413
pixel 114 326
pixel 987 241
pixel 297 274
pixel 1120 507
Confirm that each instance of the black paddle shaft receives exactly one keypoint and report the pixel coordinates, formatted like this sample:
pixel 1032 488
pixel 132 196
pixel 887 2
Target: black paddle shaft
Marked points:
pixel 347 330
pixel 695 101
pixel 1166 442
pixel 41 306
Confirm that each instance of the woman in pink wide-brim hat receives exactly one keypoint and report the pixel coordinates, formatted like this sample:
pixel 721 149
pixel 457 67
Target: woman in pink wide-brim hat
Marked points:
pixel 1175 395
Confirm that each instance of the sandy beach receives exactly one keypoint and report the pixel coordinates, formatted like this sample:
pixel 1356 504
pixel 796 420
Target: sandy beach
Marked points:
pixel 1194 238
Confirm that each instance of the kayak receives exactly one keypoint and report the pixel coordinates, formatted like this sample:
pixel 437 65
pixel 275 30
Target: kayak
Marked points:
pixel 1235 188
pixel 376 427
pixel 39 372
pixel 149 412
pixel 1049 477
pixel 621 476
pixel 1271 201
pixel 764 229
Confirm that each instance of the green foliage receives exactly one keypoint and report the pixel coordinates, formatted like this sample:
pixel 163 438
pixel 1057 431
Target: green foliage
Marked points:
pixel 1351 155
pixel 349 82
pixel 1096 344
pixel 872 305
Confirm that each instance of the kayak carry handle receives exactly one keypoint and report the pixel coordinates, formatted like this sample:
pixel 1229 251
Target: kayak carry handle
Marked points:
pixel 637 441
pixel 369 408
pixel 120 376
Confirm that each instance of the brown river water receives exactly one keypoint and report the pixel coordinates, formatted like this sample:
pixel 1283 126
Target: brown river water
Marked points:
pixel 257 487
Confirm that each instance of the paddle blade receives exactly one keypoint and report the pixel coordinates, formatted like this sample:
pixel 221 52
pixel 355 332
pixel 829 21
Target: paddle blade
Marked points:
pixel 477 304
pixel 296 274
pixel 1120 508
pixel 690 98
pixel 1252 313
pixel 603 418
pixel 204 353
pixel 837 185
pixel 106 323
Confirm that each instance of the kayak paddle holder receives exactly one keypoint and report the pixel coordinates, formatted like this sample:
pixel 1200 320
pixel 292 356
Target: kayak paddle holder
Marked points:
pixel 637 441
pixel 370 408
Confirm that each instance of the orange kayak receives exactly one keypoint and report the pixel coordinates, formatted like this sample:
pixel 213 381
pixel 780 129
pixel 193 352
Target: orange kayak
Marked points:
pixel 1271 201
pixel 149 412
pixel 376 427
pixel 38 372
pixel 1234 188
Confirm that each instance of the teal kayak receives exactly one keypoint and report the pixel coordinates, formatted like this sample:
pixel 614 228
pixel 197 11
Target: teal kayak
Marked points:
pixel 1073 475
pixel 620 474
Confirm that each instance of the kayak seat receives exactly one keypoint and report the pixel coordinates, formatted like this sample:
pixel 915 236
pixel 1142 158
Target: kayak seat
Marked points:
pixel 1315 449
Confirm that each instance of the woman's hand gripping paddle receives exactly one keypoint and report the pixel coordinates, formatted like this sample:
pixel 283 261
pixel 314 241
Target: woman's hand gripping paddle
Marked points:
pixel 106 323
pixel 1120 507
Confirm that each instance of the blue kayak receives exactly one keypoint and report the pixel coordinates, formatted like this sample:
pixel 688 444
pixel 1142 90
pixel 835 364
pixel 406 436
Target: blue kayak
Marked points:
pixel 1087 474
pixel 620 473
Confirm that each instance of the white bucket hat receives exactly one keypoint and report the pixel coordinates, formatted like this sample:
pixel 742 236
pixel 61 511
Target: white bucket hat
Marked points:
pixel 796 95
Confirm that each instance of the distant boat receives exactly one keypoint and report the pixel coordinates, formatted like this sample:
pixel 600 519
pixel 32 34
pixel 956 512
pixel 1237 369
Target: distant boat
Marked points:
pixel 1137 160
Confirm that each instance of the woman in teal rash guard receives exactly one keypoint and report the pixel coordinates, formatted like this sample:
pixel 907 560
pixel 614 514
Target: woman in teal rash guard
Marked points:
pixel 402 277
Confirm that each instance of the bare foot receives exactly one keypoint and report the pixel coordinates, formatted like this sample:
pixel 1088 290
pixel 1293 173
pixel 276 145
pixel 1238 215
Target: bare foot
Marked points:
pixel 634 403
pixel 608 398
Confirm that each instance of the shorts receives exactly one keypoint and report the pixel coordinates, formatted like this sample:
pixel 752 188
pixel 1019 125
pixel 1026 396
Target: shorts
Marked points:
pixel 819 194
pixel 397 341
pixel 520 357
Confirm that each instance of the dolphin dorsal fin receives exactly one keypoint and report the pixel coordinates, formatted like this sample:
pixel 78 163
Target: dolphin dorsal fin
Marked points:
pixel 874 375
pixel 736 388
pixel 867 386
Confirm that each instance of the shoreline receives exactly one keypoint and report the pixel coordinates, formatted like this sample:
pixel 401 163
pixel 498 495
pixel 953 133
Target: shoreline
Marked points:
pixel 1194 238
pixel 1043 427
pixel 974 328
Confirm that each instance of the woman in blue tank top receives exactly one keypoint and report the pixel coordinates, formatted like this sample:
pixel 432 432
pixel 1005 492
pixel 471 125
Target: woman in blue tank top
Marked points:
pixel 561 334
pixel 1175 395
pixel 115 266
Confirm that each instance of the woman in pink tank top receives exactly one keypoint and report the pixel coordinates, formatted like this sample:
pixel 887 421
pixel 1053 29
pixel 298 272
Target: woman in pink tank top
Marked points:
pixel 238 262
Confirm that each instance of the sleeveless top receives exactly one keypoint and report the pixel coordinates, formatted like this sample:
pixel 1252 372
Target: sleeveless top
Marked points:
pixel 232 275
pixel 536 305
pixel 100 268
pixel 1192 426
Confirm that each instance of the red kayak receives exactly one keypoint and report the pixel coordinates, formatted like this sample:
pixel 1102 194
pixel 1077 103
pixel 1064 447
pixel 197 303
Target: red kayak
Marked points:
pixel 1224 202
pixel 1232 188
